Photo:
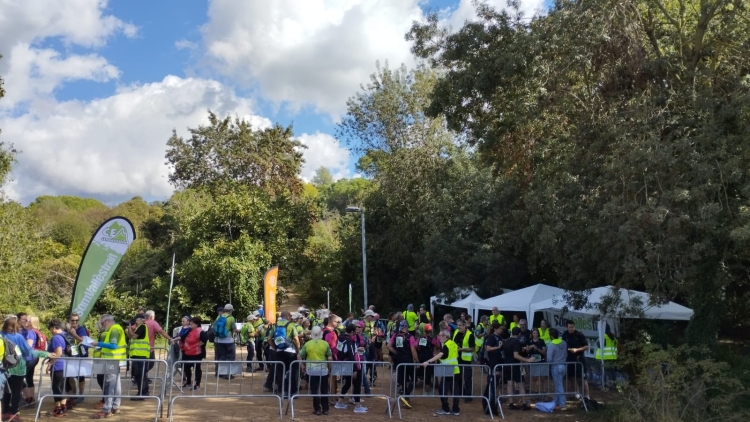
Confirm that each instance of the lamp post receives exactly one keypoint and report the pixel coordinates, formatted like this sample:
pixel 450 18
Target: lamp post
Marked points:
pixel 361 212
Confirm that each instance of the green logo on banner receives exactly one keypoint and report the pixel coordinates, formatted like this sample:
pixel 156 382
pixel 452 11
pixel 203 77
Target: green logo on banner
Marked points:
pixel 115 233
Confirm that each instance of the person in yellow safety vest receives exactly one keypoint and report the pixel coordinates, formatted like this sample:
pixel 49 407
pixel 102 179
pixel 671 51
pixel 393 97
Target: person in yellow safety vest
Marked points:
pixel 140 350
pixel 463 337
pixel 496 316
pixel 411 318
pixel 112 346
pixel 424 315
pixel 515 323
pixel 482 331
pixel 544 331
pixel 448 356
pixel 610 347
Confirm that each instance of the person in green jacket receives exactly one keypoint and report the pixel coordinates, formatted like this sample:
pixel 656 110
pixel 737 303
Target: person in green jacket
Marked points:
pixel 247 337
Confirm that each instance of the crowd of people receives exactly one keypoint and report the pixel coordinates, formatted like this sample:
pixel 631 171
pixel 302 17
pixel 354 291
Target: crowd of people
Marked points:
pixel 313 337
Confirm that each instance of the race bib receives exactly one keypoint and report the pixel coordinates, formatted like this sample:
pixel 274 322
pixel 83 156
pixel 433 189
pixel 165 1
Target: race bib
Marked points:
pixel 340 346
pixel 399 342
pixel 423 342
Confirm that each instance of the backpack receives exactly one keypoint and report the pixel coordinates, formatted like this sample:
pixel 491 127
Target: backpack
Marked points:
pixel 401 344
pixel 346 349
pixel 220 327
pixel 210 334
pixel 70 349
pixel 280 336
pixel 41 340
pixel 11 354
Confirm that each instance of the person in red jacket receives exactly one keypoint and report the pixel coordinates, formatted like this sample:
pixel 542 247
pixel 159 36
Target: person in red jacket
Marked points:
pixel 192 350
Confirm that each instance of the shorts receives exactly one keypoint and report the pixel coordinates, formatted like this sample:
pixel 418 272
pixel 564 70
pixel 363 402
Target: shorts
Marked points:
pixel 512 373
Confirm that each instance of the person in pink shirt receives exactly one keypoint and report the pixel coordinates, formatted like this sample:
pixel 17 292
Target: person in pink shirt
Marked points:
pixel 153 329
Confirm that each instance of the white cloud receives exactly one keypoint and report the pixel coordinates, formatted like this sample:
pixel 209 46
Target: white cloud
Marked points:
pixel 31 71
pixel 465 11
pixel 185 45
pixel 324 150
pixel 314 53
pixel 113 147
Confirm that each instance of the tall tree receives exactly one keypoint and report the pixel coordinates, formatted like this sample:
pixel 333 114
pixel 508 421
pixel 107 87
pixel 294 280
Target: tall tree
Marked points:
pixel 231 150
pixel 627 138
pixel 322 178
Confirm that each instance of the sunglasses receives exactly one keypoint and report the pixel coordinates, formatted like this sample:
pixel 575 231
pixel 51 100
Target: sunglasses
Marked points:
pixel 73 320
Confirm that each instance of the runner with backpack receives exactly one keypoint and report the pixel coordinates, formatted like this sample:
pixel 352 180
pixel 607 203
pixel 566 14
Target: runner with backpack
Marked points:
pixel 223 329
pixel 286 345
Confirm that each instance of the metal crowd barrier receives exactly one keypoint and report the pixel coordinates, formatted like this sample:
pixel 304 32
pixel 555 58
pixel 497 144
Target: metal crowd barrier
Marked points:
pixel 339 369
pixel 91 368
pixel 219 382
pixel 539 375
pixel 435 374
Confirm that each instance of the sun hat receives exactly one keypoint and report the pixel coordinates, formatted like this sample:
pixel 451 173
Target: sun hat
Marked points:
pixel 228 307
pixel 369 312
pixel 251 317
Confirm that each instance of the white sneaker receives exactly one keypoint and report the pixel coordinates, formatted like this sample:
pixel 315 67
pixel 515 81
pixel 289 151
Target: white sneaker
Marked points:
pixel 360 409
pixel 351 400
pixel 340 406
pixel 442 412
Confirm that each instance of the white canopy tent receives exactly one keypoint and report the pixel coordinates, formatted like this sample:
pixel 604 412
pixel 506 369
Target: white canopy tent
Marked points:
pixel 627 300
pixel 468 299
pixel 520 300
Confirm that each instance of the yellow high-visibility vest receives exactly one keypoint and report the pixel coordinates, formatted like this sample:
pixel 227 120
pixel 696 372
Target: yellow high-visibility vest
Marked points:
pixel 120 353
pixel 140 348
pixel 499 318
pixel 452 358
pixel 610 349
pixel 465 356
pixel 544 334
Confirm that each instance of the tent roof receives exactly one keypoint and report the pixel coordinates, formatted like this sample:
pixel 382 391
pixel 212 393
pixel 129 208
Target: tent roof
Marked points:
pixel 669 311
pixel 467 302
pixel 462 292
pixel 520 300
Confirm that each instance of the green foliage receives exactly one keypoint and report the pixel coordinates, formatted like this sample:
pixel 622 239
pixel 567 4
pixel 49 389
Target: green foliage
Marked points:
pixel 323 177
pixel 680 384
pixel 233 151
pixel 625 139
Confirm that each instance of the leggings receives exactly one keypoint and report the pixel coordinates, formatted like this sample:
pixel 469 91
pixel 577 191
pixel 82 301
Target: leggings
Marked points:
pixel 58 385
pixel 30 368
pixel 12 394
pixel 357 385
pixel 189 369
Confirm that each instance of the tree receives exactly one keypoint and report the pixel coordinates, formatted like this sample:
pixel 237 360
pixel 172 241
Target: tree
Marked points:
pixel 323 177
pixel 231 150
pixel 626 139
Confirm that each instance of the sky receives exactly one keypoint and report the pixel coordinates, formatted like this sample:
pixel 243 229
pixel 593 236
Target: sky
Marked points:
pixel 94 88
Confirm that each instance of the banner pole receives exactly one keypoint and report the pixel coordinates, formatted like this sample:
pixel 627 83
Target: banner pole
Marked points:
pixel 169 301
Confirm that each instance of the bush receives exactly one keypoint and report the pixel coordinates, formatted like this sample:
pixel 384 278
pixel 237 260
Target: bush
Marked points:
pixel 679 384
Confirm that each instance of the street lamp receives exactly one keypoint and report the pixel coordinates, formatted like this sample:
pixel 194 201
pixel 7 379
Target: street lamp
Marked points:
pixel 361 212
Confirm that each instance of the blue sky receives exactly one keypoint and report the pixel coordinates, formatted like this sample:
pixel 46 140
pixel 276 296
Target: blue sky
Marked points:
pixel 94 89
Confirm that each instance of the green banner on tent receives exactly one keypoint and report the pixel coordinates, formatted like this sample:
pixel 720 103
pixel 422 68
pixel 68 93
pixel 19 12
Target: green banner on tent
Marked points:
pixel 100 260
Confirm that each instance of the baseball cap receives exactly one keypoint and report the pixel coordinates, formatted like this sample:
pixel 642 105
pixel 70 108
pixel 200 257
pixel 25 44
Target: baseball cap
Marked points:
pixel 423 306
pixel 428 327
pixel 251 317
pixel 228 307
pixel 369 313
pixel 296 315
pixel 220 309
pixel 316 332
pixel 359 324
pixel 516 331
pixel 410 307
pixel 256 314
pixel 139 316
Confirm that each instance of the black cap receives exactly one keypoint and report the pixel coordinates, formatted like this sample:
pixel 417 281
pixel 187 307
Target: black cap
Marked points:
pixel 516 331
pixel 220 309
pixel 139 316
